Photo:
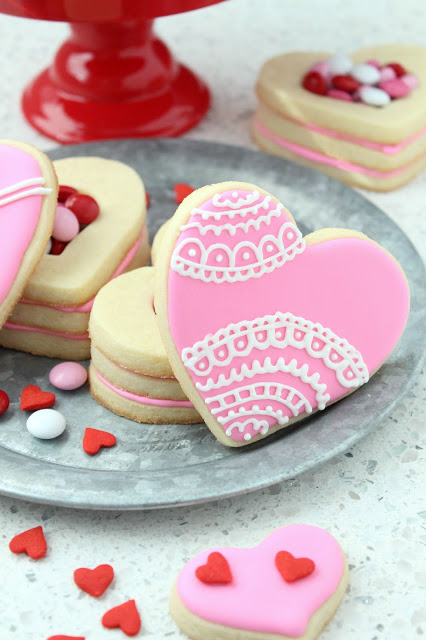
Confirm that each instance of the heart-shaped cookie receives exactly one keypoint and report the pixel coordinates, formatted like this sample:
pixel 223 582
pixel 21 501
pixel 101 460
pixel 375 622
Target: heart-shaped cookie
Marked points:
pixel 28 192
pixel 258 603
pixel 379 144
pixel 262 326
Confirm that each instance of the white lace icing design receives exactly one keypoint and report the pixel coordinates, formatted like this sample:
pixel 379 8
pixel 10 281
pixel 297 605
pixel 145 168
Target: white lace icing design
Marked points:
pixel 279 331
pixel 243 206
pixel 246 260
pixel 252 393
pixel 11 194
pixel 248 372
pixel 232 228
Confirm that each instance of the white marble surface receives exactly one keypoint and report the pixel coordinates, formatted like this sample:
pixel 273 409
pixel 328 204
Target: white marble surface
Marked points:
pixel 371 498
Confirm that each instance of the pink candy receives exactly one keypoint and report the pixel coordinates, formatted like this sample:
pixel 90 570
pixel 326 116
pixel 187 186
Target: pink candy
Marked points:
pixel 410 80
pixel 321 67
pixel 338 94
pixel 374 63
pixel 387 73
pixel 68 376
pixel 395 88
pixel 66 225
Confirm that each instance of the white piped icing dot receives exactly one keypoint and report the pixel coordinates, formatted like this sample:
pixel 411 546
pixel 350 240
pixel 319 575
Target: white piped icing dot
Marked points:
pixel 246 255
pixel 201 365
pixel 350 374
pixel 289 235
pixel 219 258
pixel 316 345
pixel 234 194
pixel 269 248
pixel 279 334
pixel 334 356
pixel 192 253
pixel 255 407
pixel 247 436
pixel 240 344
pixel 221 353
pixel 298 335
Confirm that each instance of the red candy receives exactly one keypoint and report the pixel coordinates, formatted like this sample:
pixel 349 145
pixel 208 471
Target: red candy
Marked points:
pixel 315 83
pixel 94 581
pixel 66 638
pixel 398 68
pixel 345 83
pixel 291 568
pixel 84 207
pixel 4 402
pixel 215 571
pixel 125 617
pixel 32 542
pixel 33 398
pixel 182 190
pixel 57 247
pixel 65 192
pixel 94 439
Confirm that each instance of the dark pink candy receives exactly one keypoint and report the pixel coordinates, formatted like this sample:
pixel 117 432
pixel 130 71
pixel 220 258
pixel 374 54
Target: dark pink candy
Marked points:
pixel 340 95
pixel 395 88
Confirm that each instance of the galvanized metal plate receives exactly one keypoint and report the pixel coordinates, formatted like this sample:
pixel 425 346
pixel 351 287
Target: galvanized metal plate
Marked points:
pixel 160 466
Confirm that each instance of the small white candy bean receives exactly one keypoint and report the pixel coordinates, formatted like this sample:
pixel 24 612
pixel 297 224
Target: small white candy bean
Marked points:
pixel 365 73
pixel 49 246
pixel 46 424
pixel 339 64
pixel 374 97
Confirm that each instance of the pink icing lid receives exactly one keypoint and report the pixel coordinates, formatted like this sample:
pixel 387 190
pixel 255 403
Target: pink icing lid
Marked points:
pixel 278 328
pixel 258 599
pixel 158 402
pixel 18 219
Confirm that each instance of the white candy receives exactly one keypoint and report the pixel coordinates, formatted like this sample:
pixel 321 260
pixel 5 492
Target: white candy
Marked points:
pixel 46 424
pixel 49 246
pixel 339 64
pixel 374 97
pixel 365 73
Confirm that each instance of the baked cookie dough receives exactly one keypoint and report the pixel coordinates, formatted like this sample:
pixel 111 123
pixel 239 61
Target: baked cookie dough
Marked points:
pixel 129 371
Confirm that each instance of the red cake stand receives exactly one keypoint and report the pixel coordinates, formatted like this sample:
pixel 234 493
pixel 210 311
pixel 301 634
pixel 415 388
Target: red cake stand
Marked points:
pixel 112 78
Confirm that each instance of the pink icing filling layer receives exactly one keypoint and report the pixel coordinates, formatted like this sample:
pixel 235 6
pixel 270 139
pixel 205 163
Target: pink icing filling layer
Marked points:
pixel 321 158
pixel 258 598
pixel 158 402
pixel 58 334
pixel 19 219
pixel 87 306
pixel 387 149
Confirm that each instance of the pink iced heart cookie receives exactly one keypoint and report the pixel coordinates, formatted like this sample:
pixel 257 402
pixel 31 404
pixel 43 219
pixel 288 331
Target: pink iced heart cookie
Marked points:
pixel 28 191
pixel 258 604
pixel 262 326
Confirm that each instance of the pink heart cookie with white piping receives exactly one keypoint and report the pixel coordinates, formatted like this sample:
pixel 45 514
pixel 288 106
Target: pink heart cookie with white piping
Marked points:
pixel 258 603
pixel 262 326
pixel 28 194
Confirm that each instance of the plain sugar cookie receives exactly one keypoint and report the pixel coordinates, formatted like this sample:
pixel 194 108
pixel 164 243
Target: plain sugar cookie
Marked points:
pixel 52 316
pixel 263 326
pixel 360 119
pixel 289 586
pixel 129 371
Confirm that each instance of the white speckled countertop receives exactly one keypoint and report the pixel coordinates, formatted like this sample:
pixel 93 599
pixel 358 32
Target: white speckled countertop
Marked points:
pixel 371 498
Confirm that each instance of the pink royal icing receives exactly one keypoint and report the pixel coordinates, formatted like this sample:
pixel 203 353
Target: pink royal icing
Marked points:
pixel 87 306
pixel 21 195
pixel 321 158
pixel 158 402
pixel 258 599
pixel 279 328
pixel 58 334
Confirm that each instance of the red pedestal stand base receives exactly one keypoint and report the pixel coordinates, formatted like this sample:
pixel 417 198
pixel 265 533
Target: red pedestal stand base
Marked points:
pixel 114 80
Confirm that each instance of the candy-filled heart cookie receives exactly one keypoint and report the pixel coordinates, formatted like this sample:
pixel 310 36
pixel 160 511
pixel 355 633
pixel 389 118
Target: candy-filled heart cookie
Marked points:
pixel 259 600
pixel 361 119
pixel 129 372
pixel 262 326
pixel 28 191
pixel 106 201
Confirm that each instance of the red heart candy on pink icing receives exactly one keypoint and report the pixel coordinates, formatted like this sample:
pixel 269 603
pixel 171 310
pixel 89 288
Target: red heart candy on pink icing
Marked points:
pixel 270 327
pixel 292 568
pixel 258 599
pixel 215 571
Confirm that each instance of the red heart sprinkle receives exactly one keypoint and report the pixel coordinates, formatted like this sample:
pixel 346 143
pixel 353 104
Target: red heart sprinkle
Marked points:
pixel 31 542
pixel 182 190
pixel 291 568
pixel 94 439
pixel 315 83
pixel 215 571
pixel 66 638
pixel 33 398
pixel 125 617
pixel 345 83
pixel 4 401
pixel 94 581
pixel 57 247
pixel 65 192
pixel 398 68
pixel 84 207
